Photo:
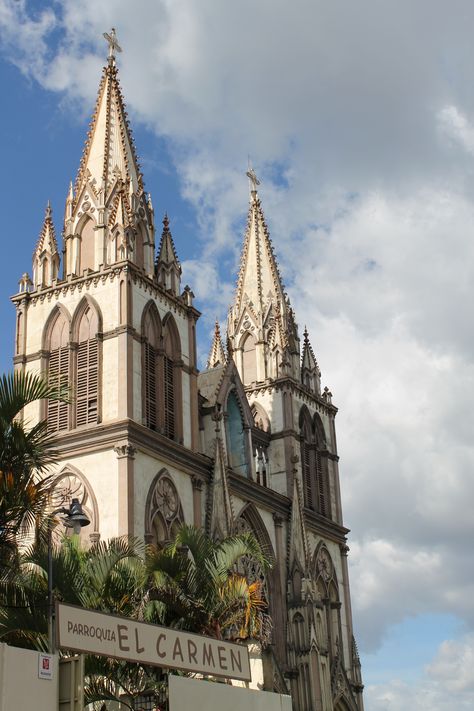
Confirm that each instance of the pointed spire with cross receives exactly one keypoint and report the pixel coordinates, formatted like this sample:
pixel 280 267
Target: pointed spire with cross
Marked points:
pixel 113 44
pixel 253 180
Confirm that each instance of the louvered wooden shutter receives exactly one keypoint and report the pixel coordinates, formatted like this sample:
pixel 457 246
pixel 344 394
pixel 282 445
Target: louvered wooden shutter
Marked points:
pixel 150 387
pixel 58 375
pixel 308 489
pixel 169 398
pixel 322 495
pixel 87 382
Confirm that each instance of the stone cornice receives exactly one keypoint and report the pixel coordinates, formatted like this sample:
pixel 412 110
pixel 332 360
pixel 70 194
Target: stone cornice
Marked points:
pixel 104 274
pixel 108 436
pixel 263 496
pixel 325 527
pixel 280 384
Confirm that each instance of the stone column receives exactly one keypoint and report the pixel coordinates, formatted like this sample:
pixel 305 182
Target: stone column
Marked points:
pixel 197 483
pixel 125 455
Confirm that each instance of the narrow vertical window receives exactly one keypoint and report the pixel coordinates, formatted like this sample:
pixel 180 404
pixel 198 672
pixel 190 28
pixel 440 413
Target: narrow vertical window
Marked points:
pixel 171 381
pixel 57 413
pixel 308 489
pixel 151 329
pixel 169 397
pixel 87 370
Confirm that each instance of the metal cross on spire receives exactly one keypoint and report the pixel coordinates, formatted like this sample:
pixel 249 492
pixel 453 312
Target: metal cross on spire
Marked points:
pixel 254 181
pixel 113 44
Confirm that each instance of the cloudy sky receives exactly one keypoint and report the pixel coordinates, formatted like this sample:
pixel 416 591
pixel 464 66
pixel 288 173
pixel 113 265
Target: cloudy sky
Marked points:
pixel 359 120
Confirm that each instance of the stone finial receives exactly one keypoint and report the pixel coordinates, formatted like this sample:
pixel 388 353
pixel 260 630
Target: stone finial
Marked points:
pixel 217 353
pixel 25 284
pixel 167 266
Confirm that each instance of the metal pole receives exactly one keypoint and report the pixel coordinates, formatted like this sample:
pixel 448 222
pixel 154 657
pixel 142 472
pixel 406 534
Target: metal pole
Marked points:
pixel 50 591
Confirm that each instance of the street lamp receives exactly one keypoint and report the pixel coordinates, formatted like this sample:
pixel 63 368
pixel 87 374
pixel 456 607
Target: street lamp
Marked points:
pixel 75 518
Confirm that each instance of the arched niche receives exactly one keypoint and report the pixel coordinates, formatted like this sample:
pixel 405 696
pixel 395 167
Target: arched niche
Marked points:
pixel 319 431
pixel 260 417
pixel 250 521
pixel 56 331
pixel 70 483
pixel 249 359
pixel 163 510
pixel 86 233
pixel 323 567
pixel 237 446
pixel 89 308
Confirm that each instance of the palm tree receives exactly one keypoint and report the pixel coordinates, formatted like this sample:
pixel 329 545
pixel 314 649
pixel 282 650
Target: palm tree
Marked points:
pixel 196 586
pixel 25 454
pixel 191 584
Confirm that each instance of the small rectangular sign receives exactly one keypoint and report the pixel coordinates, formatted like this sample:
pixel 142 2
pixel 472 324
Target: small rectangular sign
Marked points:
pixel 45 666
pixel 83 630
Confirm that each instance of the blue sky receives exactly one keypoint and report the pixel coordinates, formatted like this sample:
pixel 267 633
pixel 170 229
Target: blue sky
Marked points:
pixel 360 123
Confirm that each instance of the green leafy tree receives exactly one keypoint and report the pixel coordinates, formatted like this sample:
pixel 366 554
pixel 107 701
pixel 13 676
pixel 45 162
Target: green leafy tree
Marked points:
pixel 196 586
pixel 25 455
pixel 191 584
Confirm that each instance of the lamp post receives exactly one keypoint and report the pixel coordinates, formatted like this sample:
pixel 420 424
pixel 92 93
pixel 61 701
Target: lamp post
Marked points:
pixel 75 518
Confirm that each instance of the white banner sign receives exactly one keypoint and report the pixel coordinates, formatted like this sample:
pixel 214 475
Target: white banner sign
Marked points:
pixel 93 632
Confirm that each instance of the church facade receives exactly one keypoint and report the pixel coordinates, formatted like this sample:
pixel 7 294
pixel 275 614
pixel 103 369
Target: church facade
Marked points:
pixel 148 441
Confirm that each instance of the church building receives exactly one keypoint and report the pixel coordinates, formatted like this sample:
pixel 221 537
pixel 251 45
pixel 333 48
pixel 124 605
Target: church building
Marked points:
pixel 148 442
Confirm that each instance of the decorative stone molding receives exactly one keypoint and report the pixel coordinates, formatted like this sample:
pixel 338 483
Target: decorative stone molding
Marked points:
pixel 125 450
pixel 197 483
pixel 278 520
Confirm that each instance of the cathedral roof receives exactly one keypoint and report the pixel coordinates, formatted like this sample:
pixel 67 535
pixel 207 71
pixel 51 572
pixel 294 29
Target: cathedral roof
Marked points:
pixel 217 353
pixel 109 150
pixel 47 237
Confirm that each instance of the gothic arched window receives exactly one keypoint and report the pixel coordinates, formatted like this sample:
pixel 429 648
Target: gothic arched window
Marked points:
pixel 314 469
pixel 71 484
pixel 237 450
pixel 57 345
pixel 172 425
pixel 164 512
pixel 87 368
pixel 151 329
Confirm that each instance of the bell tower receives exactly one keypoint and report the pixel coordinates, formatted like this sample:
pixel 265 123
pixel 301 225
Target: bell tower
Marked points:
pixel 119 330
pixel 283 389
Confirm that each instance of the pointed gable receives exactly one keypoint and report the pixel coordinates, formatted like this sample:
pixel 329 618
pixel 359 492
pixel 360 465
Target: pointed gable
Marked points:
pixel 310 373
pixel 167 266
pixel 216 354
pixel 46 254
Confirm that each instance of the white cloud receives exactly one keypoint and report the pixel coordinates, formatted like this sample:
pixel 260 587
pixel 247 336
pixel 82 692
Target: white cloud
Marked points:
pixel 447 683
pixel 358 121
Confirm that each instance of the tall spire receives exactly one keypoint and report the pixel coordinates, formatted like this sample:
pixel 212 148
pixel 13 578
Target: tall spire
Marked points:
pixel 216 354
pixel 109 151
pixel 261 307
pixel 46 255
pixel 167 267
pixel 259 279
pixel 109 187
